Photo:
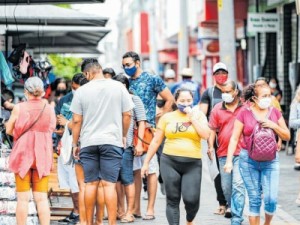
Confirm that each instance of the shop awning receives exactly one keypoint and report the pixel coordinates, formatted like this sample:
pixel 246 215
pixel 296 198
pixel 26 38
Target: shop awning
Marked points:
pixel 47 15
pixel 57 39
pixel 7 2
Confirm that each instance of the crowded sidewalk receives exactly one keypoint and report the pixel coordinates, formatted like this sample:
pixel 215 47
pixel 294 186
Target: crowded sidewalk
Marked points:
pixel 288 212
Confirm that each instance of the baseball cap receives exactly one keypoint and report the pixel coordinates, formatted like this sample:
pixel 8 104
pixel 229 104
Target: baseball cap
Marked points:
pixel 169 74
pixel 187 72
pixel 220 66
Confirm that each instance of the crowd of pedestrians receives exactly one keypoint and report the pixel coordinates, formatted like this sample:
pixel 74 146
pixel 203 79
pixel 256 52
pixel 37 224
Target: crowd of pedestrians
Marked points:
pixel 108 115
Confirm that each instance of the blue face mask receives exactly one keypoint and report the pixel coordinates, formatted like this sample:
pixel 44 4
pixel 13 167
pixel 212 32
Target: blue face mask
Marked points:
pixel 182 107
pixel 130 71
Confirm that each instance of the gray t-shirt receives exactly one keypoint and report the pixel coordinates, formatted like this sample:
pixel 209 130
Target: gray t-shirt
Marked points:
pixel 138 115
pixel 101 102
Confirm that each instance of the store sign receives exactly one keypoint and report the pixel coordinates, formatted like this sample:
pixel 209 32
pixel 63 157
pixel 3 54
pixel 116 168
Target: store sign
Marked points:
pixel 263 22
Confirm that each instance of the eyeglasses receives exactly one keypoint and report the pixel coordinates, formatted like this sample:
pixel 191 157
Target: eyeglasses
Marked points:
pixel 127 65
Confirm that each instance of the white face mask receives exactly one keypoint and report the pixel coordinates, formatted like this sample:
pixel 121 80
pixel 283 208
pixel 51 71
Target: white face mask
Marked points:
pixel 272 85
pixel 227 98
pixel 264 103
pixel 73 91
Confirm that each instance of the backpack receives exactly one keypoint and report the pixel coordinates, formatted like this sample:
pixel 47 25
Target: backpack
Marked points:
pixel 263 144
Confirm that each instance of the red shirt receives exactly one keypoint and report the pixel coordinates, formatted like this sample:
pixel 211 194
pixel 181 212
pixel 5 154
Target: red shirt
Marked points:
pixel 222 121
pixel 246 117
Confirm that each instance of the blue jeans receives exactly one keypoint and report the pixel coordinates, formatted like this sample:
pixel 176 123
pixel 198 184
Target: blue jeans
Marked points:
pixel 260 178
pixel 233 189
pixel 126 173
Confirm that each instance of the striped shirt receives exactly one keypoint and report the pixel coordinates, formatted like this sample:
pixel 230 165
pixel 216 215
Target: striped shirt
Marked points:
pixel 139 114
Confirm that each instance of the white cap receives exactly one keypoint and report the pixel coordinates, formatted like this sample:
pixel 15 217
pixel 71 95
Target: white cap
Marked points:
pixel 169 73
pixel 187 72
pixel 220 66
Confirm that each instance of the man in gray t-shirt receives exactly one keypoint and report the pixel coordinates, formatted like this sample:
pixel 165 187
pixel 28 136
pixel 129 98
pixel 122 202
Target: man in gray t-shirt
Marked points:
pixel 101 117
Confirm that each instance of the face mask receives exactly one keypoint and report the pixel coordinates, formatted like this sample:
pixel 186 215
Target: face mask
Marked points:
pixel 227 98
pixel 264 103
pixel 130 71
pixel 60 92
pixel 73 91
pixel 272 85
pixel 182 107
pixel 221 79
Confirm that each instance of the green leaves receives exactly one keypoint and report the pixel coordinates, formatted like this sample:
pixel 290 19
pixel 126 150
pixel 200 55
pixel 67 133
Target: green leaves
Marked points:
pixel 64 66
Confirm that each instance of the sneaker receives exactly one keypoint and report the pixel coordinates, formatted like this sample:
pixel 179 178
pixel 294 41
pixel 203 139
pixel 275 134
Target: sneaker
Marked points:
pixel 65 220
pixel 70 219
pixel 228 213
pixel 297 166
pixel 74 218
pixel 145 195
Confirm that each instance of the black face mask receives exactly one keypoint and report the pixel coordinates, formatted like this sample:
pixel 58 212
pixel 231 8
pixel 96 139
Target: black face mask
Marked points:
pixel 160 103
pixel 60 92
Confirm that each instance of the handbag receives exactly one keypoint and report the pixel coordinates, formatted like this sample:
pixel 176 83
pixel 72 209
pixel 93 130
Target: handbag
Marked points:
pixel 66 146
pixel 146 140
pixel 33 122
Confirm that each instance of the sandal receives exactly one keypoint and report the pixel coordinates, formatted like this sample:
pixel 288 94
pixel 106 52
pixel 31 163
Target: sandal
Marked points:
pixel 120 216
pixel 149 217
pixel 220 210
pixel 127 219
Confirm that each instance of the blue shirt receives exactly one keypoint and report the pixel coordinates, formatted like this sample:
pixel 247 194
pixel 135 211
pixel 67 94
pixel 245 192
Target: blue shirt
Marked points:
pixel 147 87
pixel 190 85
pixel 63 106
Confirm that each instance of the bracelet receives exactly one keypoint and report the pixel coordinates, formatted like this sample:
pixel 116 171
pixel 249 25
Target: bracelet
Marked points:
pixel 74 145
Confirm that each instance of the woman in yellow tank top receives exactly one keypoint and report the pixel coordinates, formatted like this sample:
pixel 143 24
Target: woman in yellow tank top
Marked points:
pixel 180 163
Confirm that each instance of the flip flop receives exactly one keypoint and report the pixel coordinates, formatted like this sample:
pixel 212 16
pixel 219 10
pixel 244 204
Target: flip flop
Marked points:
pixel 220 210
pixel 149 217
pixel 137 216
pixel 127 219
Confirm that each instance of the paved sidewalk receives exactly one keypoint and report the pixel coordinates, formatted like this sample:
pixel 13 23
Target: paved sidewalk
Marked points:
pixel 287 214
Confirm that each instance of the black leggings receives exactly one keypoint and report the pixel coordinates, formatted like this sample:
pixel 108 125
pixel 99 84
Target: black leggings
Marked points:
pixel 182 176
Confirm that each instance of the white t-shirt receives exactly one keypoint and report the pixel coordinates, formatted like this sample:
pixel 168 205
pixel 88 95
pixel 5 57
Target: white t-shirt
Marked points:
pixel 101 102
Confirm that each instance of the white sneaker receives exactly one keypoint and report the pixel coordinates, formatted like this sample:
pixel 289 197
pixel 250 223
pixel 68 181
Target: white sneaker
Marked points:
pixel 145 195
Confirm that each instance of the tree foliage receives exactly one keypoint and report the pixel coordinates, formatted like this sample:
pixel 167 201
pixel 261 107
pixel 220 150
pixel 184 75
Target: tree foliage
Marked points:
pixel 64 67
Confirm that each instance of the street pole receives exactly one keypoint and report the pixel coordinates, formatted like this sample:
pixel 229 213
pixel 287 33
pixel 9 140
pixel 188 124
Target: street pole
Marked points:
pixel 183 37
pixel 227 36
pixel 257 67
pixel 152 37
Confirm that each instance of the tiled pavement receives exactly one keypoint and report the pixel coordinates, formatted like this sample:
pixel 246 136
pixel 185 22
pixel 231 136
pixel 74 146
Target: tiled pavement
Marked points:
pixel 287 214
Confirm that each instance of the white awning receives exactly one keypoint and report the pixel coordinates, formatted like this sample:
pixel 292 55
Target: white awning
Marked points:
pixel 48 15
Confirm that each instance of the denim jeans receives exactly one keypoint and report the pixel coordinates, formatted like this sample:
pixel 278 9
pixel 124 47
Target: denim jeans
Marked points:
pixel 260 178
pixel 234 189
pixel 126 172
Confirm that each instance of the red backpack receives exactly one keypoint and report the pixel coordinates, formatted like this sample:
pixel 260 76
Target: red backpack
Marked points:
pixel 263 144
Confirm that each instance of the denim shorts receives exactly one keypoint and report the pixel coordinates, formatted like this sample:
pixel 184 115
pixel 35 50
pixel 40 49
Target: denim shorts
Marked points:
pixel 101 162
pixel 260 178
pixel 126 173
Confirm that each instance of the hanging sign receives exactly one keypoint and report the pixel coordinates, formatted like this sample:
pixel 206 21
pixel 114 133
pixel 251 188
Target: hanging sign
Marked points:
pixel 263 22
